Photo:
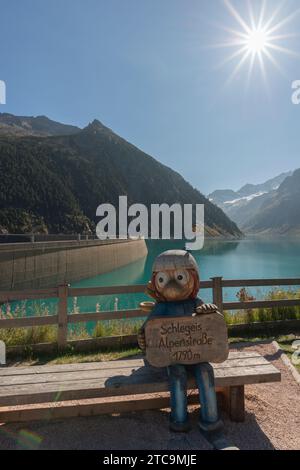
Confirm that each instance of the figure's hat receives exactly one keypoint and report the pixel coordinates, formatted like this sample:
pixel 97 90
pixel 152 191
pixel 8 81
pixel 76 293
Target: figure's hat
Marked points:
pixel 173 260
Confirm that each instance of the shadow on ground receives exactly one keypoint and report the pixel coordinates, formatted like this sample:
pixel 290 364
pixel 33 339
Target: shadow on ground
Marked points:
pixel 144 430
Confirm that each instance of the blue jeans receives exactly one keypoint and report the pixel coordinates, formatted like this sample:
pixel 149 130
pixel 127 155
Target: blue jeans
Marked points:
pixel 204 376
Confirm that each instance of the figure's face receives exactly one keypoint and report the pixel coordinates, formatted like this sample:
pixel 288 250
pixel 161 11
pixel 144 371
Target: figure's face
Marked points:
pixel 174 285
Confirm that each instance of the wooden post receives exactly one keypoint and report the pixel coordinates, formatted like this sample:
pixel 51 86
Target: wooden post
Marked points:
pixel 2 354
pixel 237 403
pixel 234 402
pixel 218 292
pixel 62 332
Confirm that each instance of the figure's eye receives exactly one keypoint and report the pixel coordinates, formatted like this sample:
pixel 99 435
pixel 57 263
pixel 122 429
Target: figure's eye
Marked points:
pixel 182 277
pixel 161 279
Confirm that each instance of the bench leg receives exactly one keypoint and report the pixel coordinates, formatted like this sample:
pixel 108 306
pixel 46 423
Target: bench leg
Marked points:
pixel 235 403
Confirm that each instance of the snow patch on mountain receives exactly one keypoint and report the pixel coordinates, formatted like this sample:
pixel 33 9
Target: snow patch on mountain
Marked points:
pixel 245 198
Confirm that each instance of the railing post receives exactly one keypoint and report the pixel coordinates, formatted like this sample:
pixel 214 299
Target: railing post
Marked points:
pixel 62 332
pixel 2 354
pixel 218 292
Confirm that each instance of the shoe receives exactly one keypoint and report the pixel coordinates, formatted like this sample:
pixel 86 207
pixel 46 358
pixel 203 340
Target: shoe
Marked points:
pixel 211 427
pixel 180 427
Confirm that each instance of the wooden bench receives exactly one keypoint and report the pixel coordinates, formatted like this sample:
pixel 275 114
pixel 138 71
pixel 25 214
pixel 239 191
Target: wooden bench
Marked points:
pixel 44 392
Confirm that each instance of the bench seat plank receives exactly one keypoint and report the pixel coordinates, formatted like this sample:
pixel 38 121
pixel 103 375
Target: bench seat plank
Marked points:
pixel 118 364
pixel 39 384
pixel 71 376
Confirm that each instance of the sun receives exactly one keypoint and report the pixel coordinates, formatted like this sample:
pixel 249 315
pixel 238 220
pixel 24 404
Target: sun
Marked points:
pixel 258 39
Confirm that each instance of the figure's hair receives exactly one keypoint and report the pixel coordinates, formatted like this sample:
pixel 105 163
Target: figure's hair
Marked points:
pixel 153 292
pixel 195 275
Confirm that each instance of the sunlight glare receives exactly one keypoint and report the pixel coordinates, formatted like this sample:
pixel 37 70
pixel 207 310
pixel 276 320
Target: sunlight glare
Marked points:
pixel 254 42
pixel 257 41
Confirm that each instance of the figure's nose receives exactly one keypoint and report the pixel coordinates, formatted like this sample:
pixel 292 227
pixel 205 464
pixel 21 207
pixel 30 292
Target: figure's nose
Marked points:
pixel 172 289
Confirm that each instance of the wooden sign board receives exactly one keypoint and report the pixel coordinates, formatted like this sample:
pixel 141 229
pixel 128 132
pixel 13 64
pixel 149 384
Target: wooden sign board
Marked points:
pixel 186 340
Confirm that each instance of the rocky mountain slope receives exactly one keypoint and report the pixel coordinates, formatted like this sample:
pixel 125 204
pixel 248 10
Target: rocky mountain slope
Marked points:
pixel 20 126
pixel 245 204
pixel 279 212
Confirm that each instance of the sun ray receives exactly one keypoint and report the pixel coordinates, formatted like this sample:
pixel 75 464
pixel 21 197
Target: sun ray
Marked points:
pixel 263 70
pixel 275 14
pixel 231 57
pixel 251 14
pixel 235 31
pixel 275 63
pixel 283 36
pixel 237 16
pixel 238 67
pixel 284 21
pixel 262 14
pixel 232 31
pixel 250 71
pixel 224 45
pixel 283 49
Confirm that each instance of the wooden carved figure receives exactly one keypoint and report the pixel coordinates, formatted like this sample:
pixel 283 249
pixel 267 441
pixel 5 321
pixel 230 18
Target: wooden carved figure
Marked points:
pixel 175 285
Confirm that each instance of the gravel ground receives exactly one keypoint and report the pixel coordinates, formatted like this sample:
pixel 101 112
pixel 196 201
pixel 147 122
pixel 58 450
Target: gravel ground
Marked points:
pixel 272 422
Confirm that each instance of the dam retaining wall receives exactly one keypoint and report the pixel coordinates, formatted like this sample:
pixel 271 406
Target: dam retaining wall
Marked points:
pixel 49 264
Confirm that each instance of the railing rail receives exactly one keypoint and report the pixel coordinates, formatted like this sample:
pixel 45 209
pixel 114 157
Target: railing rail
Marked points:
pixel 32 237
pixel 62 319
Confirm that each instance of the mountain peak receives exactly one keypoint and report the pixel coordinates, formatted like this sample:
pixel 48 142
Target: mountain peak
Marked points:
pixel 96 125
pixel 98 129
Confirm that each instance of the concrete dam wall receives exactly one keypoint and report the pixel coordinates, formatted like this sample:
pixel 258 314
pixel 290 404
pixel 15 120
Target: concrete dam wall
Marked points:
pixel 49 264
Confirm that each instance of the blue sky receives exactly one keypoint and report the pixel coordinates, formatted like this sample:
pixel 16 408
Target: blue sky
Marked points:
pixel 144 68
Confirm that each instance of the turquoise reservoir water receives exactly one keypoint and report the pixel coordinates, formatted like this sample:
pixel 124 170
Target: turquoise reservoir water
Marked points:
pixel 244 259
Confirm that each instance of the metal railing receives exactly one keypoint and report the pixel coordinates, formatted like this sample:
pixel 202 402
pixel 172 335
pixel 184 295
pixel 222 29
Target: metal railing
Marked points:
pixel 38 238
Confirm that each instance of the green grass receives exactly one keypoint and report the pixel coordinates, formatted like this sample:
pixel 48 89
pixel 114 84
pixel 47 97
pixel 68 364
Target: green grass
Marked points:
pixel 48 333
pixel 72 357
pixel 116 328
pixel 265 314
pixel 26 336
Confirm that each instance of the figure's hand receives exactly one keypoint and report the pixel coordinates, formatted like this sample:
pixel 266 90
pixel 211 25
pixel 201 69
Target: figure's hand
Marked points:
pixel 206 308
pixel 142 340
